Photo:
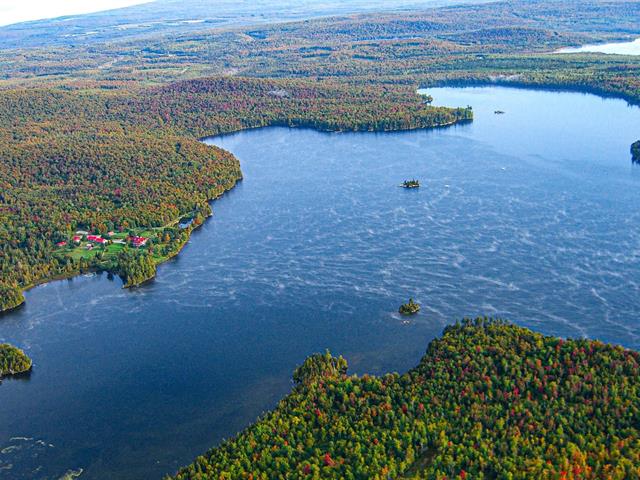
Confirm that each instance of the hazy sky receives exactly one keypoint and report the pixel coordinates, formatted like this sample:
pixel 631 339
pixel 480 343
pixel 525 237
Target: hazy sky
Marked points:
pixel 14 11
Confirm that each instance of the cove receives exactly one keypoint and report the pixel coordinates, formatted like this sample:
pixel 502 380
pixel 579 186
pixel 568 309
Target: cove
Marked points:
pixel 531 215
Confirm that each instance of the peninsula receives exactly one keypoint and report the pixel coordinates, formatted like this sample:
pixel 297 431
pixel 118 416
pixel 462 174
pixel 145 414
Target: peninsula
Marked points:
pixel 535 406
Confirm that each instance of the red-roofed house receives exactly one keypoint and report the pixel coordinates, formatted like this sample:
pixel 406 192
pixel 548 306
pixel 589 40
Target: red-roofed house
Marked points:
pixel 77 238
pixel 96 239
pixel 61 244
pixel 138 241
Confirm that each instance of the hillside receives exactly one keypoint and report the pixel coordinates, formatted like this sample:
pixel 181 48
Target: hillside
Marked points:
pixel 488 400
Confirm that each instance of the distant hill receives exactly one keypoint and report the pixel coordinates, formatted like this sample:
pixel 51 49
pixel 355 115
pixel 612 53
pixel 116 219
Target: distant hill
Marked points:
pixel 180 16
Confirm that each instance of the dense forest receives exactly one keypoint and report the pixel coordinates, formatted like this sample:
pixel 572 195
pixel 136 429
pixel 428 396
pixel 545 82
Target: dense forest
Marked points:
pixel 13 360
pixel 505 41
pixel 102 161
pixel 488 400
pixel 10 296
pixel 635 152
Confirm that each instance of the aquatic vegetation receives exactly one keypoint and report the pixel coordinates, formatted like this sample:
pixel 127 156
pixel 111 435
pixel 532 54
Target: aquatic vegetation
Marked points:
pixel 409 308
pixel 13 360
pixel 488 400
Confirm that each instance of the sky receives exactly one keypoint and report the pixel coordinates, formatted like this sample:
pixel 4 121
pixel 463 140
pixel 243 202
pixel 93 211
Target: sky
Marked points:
pixel 14 11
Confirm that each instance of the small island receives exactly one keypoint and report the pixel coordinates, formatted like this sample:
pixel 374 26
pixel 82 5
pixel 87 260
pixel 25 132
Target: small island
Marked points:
pixel 409 308
pixel 499 112
pixel 635 152
pixel 413 183
pixel 13 360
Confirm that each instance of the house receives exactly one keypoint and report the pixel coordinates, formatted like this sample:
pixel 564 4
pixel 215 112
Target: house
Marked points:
pixel 77 238
pixel 96 239
pixel 82 232
pixel 138 241
pixel 111 234
pixel 61 244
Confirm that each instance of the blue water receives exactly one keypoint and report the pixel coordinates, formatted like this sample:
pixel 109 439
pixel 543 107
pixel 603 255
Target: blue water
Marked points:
pixel 618 48
pixel 531 215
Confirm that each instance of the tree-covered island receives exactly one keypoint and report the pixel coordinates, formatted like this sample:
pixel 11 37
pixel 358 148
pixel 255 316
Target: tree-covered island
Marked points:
pixel 635 152
pixel 489 400
pixel 409 308
pixel 13 360
pixel 413 183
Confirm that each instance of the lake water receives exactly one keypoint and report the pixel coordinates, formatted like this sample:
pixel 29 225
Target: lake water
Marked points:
pixel 621 48
pixel 531 215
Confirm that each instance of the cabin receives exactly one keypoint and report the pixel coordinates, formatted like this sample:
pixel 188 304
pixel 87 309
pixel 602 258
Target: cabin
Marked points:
pixel 96 239
pixel 61 244
pixel 138 242
pixel 77 238
pixel 82 232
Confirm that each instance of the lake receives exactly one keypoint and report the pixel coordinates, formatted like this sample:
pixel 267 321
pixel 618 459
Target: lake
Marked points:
pixel 531 216
pixel 620 48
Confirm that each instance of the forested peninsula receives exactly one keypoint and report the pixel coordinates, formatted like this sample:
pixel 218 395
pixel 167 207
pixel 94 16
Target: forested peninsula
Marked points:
pixel 488 400
pixel 99 179
pixel 13 360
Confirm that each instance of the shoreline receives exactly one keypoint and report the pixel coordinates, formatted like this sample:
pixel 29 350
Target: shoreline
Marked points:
pixel 454 83
pixel 75 273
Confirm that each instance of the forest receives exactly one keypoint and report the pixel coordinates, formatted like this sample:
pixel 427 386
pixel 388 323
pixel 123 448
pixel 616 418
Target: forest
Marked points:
pixel 488 400
pixel 503 42
pixel 10 296
pixel 13 360
pixel 635 152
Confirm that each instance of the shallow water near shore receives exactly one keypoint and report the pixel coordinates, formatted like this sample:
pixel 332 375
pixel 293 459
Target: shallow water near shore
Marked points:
pixel 531 215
